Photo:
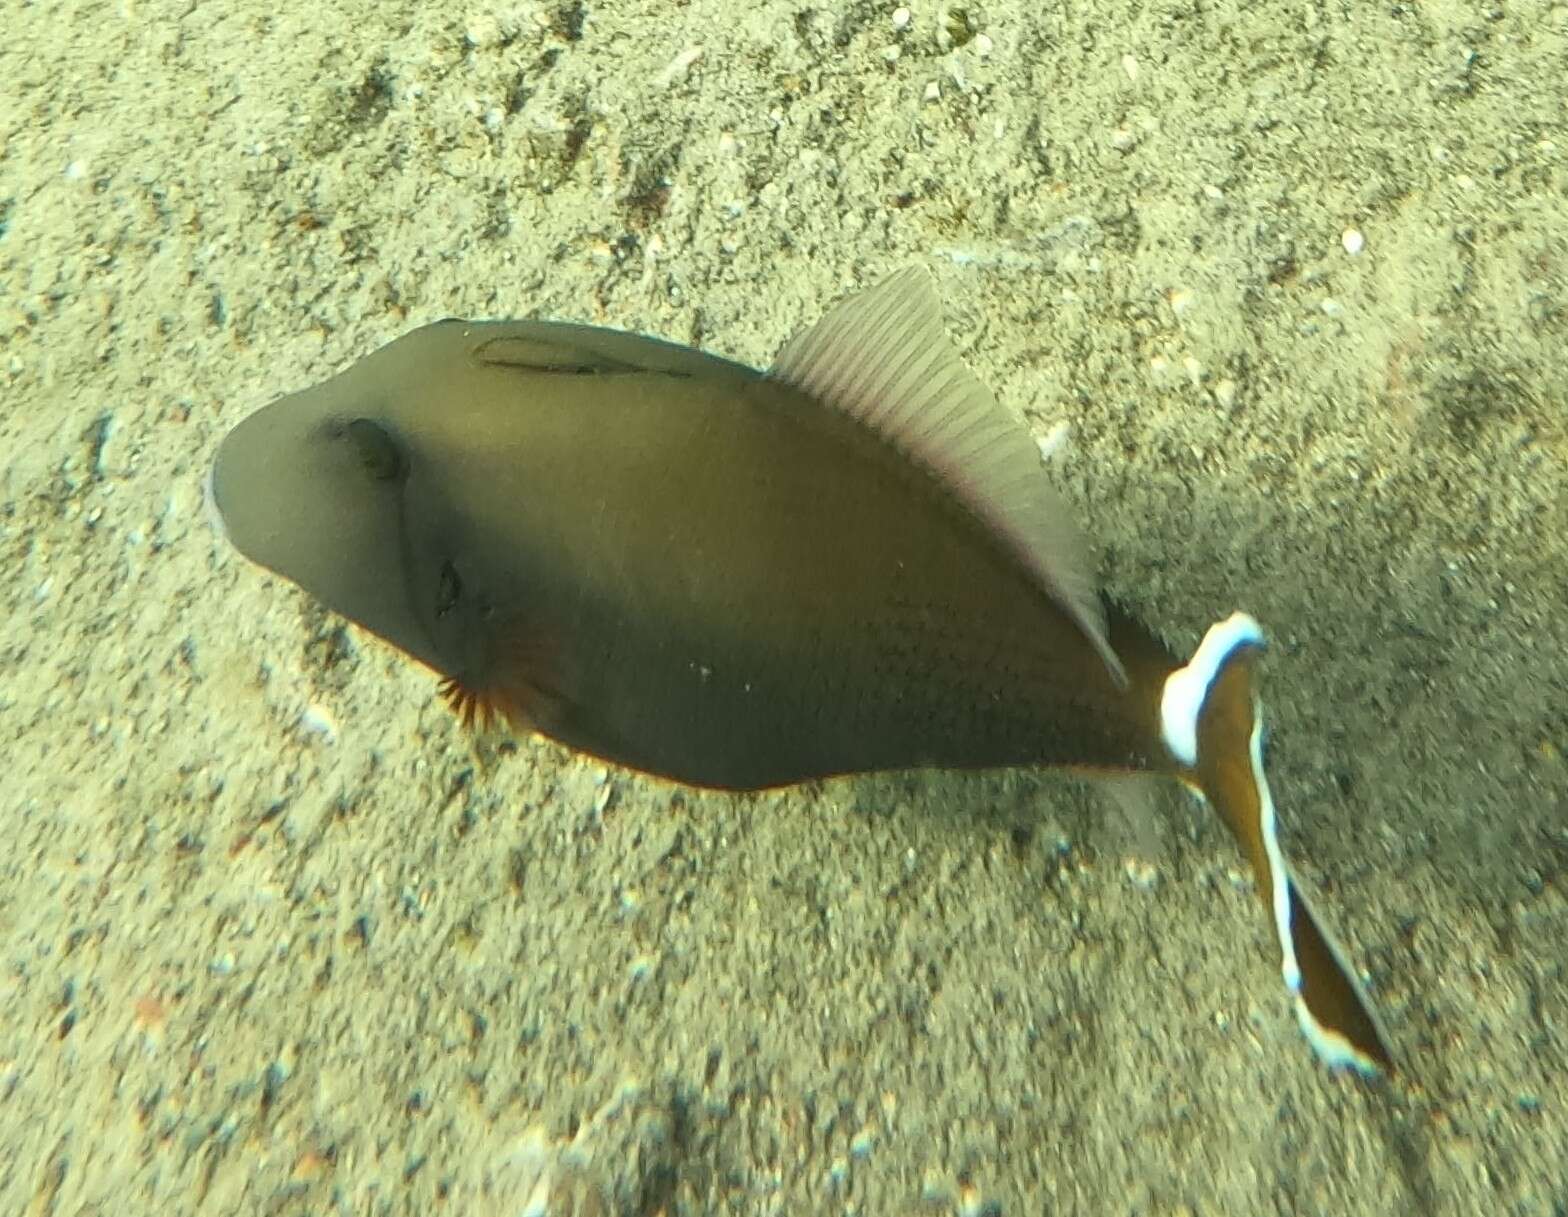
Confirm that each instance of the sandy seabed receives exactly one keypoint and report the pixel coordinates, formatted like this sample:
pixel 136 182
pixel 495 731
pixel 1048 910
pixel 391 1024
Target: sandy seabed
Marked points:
pixel 279 940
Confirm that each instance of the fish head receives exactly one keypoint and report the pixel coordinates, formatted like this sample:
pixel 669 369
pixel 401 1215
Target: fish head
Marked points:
pixel 331 488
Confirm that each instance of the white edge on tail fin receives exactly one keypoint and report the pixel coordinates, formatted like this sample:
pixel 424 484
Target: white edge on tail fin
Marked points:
pixel 1181 704
pixel 1187 687
pixel 1333 1049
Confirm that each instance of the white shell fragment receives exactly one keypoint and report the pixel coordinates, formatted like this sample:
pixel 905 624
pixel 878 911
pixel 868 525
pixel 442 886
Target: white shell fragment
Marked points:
pixel 679 66
pixel 1054 440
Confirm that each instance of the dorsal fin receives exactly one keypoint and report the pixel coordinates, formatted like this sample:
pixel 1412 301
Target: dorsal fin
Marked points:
pixel 883 357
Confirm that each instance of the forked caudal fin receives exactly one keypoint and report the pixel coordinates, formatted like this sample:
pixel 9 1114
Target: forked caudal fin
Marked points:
pixel 1210 722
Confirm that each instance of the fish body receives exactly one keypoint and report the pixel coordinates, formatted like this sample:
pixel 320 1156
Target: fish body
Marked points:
pixel 738 579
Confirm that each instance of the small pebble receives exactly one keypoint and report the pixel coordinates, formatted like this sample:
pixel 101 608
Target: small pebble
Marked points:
pixel 1142 874
pixel 318 721
pixel 602 798
pixel 1054 440
pixel 482 32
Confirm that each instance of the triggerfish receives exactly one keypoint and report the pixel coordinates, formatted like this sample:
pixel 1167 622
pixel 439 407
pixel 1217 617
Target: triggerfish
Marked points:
pixel 848 563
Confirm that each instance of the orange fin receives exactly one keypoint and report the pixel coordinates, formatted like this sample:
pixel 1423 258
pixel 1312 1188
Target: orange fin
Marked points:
pixel 1211 725
pixel 477 708
pixel 518 684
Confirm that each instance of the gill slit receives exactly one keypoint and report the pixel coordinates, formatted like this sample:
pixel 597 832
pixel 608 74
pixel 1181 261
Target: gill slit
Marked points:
pixel 406 554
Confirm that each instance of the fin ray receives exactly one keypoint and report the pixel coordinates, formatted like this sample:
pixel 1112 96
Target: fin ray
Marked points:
pixel 519 685
pixel 884 358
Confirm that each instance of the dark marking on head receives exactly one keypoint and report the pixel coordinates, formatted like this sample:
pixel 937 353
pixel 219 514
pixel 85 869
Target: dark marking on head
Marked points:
pixel 378 452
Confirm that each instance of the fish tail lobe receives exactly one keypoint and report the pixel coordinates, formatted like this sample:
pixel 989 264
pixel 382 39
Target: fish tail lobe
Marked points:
pixel 1211 725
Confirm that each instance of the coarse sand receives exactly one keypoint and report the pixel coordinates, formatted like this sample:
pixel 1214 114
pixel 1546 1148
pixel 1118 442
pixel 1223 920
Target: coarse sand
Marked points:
pixel 279 940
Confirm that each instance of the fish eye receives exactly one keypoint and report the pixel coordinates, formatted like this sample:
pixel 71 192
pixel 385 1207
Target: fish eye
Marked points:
pixel 450 589
pixel 377 451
